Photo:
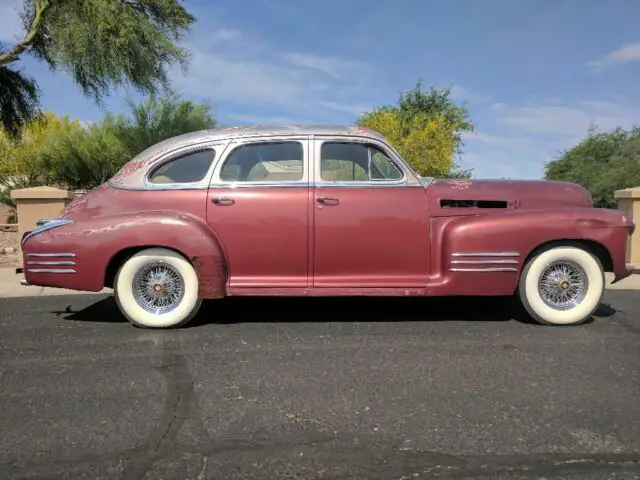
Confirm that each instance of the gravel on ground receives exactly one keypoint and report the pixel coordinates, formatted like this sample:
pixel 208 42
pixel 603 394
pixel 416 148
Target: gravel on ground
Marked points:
pixel 10 239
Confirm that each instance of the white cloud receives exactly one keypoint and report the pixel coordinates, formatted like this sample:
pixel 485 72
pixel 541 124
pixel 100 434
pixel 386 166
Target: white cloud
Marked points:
pixel 268 119
pixel 338 68
pixel 462 94
pixel 625 54
pixel 355 110
pixel 232 67
pixel 517 140
pixel 570 120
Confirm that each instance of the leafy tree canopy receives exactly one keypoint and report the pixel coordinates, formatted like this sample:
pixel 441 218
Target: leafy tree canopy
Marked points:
pixel 52 150
pixel 155 120
pixel 103 44
pixel 425 128
pixel 603 162
pixel 21 163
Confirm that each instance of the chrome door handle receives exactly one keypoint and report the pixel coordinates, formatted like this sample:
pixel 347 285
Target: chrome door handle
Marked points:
pixel 223 201
pixel 327 199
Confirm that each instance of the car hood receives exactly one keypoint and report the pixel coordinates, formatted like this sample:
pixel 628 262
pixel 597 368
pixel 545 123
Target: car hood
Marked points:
pixel 455 197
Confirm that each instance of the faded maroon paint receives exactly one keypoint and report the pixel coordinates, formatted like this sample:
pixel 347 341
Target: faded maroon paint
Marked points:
pixel 520 194
pixel 371 237
pixel 110 220
pixel 517 231
pixel 106 201
pixel 282 241
pixel 265 233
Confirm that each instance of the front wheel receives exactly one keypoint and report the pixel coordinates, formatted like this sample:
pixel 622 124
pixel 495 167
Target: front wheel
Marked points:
pixel 562 286
pixel 157 288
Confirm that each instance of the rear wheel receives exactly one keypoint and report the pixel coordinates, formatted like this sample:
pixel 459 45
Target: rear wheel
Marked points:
pixel 157 288
pixel 562 286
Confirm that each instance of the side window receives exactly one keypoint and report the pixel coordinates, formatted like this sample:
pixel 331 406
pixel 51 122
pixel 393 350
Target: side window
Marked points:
pixel 353 162
pixel 264 162
pixel 188 168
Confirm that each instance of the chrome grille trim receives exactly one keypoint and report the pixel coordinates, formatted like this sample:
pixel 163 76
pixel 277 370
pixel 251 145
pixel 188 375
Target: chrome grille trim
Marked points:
pixel 51 270
pixel 61 255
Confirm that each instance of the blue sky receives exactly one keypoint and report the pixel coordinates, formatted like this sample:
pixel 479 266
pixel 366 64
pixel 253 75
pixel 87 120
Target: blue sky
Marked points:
pixel 534 73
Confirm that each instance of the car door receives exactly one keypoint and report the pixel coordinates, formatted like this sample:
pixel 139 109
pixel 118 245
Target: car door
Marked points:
pixel 258 204
pixel 371 224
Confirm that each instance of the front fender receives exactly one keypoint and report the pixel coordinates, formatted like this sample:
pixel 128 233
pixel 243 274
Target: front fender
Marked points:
pixel 91 244
pixel 514 235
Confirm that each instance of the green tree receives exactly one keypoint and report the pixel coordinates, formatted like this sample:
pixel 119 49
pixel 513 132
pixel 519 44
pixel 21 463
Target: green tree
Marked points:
pixel 155 120
pixel 102 44
pixel 21 163
pixel 84 158
pixel 426 128
pixel 603 162
pixel 88 157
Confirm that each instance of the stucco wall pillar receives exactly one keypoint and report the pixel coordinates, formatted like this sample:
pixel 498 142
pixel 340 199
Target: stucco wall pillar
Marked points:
pixel 38 203
pixel 629 202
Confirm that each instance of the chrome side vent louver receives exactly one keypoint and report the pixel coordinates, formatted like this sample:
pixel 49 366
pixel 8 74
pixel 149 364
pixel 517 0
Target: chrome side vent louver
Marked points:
pixel 484 262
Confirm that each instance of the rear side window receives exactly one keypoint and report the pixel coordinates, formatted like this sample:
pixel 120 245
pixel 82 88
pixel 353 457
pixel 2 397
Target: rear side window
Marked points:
pixel 188 168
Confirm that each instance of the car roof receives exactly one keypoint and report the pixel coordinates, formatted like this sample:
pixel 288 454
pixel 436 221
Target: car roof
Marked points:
pixel 131 173
pixel 275 130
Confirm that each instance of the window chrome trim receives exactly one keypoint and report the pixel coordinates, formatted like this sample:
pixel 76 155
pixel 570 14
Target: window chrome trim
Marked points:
pixel 409 178
pixel 233 145
pixel 175 155
pixel 217 146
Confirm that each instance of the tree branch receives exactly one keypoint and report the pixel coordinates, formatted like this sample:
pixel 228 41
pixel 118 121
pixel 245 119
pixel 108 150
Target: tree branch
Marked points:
pixel 14 52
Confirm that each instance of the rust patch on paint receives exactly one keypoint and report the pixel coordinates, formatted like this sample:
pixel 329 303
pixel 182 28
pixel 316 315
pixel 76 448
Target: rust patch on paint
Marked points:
pixel 459 184
pixel 211 276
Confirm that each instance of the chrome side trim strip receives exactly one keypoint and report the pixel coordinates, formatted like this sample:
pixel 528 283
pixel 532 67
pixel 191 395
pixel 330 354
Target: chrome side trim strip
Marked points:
pixel 482 262
pixel 260 185
pixel 51 270
pixel 68 263
pixel 47 225
pixel 62 255
pixel 485 254
pixel 366 185
pixel 501 269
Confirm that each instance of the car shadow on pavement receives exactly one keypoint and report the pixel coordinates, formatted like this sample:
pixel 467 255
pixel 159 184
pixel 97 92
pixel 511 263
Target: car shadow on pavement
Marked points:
pixel 235 310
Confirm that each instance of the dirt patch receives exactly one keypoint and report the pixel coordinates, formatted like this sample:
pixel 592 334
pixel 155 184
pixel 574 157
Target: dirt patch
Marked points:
pixel 10 239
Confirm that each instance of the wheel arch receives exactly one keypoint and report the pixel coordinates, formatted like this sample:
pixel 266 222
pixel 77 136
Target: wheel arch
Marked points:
pixel 597 249
pixel 119 258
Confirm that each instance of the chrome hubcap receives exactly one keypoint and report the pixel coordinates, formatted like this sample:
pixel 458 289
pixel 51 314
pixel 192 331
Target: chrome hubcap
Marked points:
pixel 563 284
pixel 158 288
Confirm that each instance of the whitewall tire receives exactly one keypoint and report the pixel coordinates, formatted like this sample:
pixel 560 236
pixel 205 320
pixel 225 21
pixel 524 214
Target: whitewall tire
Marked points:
pixel 562 286
pixel 157 288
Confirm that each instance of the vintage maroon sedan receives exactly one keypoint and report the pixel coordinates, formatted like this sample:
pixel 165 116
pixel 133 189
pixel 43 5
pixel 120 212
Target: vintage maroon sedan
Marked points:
pixel 304 211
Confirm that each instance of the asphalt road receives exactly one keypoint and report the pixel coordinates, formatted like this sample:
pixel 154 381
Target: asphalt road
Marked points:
pixel 318 388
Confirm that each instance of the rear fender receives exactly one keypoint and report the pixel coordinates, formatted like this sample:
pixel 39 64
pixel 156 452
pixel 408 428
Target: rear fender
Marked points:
pixel 484 254
pixel 98 241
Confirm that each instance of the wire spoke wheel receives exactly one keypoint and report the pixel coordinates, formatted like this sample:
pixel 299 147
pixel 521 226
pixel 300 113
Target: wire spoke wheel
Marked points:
pixel 563 284
pixel 158 288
